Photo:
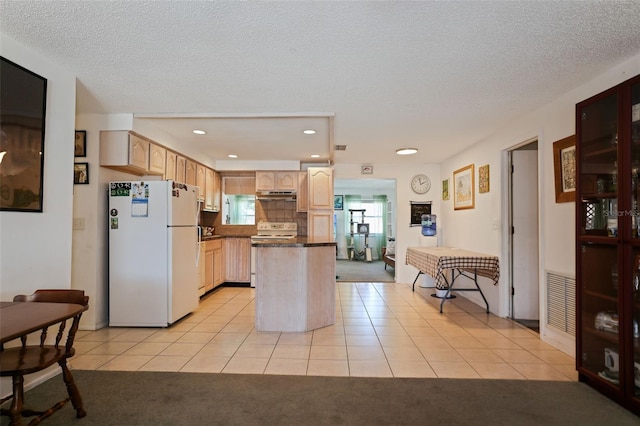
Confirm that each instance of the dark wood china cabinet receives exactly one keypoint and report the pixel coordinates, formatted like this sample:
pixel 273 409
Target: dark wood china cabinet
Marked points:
pixel 608 242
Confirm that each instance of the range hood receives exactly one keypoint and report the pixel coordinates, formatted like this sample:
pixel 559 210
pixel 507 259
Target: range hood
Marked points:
pixel 276 195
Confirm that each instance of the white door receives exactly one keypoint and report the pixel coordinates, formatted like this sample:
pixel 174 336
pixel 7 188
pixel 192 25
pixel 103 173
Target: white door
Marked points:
pixel 183 271
pixel 524 210
pixel 183 202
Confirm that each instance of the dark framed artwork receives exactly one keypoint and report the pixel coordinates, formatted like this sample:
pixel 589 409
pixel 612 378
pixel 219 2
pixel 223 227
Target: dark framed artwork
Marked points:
pixel 418 208
pixel 80 149
pixel 338 202
pixel 564 169
pixel 81 173
pixel 23 100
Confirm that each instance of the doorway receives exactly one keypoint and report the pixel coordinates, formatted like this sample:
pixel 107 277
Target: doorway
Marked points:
pixel 524 241
pixel 359 253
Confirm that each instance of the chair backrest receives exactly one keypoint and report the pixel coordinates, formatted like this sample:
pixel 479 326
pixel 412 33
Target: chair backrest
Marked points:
pixel 55 296
pixel 58 296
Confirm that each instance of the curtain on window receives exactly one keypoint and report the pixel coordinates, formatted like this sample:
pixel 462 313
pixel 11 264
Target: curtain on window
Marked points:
pixel 375 215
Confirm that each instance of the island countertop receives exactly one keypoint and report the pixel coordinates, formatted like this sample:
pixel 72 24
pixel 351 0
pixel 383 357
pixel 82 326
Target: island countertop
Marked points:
pixel 293 242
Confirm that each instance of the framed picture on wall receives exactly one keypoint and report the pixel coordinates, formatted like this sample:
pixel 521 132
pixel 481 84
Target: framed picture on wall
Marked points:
pixel 445 189
pixel 463 188
pixel 81 173
pixel 564 169
pixel 338 202
pixel 80 149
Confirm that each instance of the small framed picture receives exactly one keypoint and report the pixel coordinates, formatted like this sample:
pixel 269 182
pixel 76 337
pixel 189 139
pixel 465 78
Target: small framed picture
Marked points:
pixel 81 173
pixel 366 169
pixel 81 143
pixel 338 202
pixel 483 179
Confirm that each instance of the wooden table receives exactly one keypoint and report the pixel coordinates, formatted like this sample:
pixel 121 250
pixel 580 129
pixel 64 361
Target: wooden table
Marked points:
pixel 21 318
pixel 436 261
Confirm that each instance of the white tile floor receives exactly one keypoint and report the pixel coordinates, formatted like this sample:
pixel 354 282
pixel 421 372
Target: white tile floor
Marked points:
pixel 381 330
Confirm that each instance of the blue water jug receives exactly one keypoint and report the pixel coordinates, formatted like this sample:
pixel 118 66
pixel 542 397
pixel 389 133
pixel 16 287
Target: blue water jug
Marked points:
pixel 428 225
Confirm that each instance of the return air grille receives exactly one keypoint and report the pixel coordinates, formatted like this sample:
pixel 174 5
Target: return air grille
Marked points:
pixel 341 147
pixel 561 302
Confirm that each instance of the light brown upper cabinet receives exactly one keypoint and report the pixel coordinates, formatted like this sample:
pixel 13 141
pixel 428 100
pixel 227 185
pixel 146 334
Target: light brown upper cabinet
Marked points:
pixel 157 159
pixel 276 181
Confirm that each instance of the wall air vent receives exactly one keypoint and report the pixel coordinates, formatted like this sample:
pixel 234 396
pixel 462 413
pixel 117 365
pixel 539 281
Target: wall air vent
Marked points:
pixel 341 147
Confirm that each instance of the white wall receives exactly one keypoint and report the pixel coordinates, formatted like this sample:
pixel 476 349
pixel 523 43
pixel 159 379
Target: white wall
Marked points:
pixel 473 229
pixel 90 245
pixel 35 248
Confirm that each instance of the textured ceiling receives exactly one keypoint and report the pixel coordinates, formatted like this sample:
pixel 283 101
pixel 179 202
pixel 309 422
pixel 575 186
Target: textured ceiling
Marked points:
pixel 438 76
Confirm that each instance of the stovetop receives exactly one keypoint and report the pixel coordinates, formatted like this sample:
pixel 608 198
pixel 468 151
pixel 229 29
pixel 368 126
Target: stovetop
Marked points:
pixel 276 230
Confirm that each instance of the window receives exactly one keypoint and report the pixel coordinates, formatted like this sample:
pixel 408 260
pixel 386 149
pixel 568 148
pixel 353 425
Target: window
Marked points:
pixel 239 209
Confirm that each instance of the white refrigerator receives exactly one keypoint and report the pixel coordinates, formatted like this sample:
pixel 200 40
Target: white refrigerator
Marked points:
pixel 153 252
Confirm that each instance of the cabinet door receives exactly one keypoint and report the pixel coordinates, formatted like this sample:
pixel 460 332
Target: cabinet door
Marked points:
pixel 138 152
pixel 217 191
pixel 599 309
pixel 170 167
pixel 320 188
pixel 237 255
pixel 598 174
pixel 201 181
pixel 190 172
pixel 286 181
pixel 265 181
pixel 181 168
pixel 157 159
pixel 302 197
pixel 218 264
pixel 209 188
pixel 320 224
pixel 209 270
pixel 202 269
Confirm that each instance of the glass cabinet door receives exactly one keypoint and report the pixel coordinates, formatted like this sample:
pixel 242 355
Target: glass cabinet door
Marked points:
pixel 599 312
pixel 635 318
pixel 598 199
pixel 635 159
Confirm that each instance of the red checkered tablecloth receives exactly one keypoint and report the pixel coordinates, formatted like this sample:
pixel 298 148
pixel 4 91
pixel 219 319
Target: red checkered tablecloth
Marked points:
pixel 435 261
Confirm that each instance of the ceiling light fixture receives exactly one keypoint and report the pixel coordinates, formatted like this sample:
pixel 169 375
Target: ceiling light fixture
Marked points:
pixel 406 151
pixel 309 132
pixel 315 155
pixel 199 132
pixel 232 156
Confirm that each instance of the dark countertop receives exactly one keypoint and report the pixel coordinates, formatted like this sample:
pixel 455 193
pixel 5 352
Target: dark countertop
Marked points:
pixel 216 237
pixel 293 242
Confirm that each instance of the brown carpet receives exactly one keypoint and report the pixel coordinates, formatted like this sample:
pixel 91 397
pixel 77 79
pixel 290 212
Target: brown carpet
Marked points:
pixel 360 271
pixel 147 398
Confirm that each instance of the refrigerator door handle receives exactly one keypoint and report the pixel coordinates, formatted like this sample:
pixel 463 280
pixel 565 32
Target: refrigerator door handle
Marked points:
pixel 198 242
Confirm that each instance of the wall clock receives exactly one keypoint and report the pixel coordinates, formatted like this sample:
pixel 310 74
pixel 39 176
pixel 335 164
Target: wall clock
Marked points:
pixel 420 184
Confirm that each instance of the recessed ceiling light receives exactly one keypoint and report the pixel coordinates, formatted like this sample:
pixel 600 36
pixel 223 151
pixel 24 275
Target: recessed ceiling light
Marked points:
pixel 232 156
pixel 199 132
pixel 406 151
pixel 315 155
pixel 309 132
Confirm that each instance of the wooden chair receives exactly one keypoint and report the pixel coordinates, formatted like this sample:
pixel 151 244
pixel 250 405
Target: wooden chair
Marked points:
pixel 16 362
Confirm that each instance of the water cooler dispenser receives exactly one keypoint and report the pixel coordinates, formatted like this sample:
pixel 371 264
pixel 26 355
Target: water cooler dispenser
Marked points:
pixel 428 238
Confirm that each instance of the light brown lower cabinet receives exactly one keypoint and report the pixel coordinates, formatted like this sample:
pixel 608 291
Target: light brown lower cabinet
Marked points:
pixel 237 255
pixel 213 264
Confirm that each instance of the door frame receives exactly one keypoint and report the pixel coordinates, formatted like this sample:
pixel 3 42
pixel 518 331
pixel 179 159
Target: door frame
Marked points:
pixel 506 238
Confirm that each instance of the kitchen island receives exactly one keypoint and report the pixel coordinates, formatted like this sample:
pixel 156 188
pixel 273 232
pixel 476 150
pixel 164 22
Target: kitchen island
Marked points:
pixel 295 284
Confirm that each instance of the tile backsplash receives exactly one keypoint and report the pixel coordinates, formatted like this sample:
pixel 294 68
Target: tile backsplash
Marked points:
pixel 281 211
